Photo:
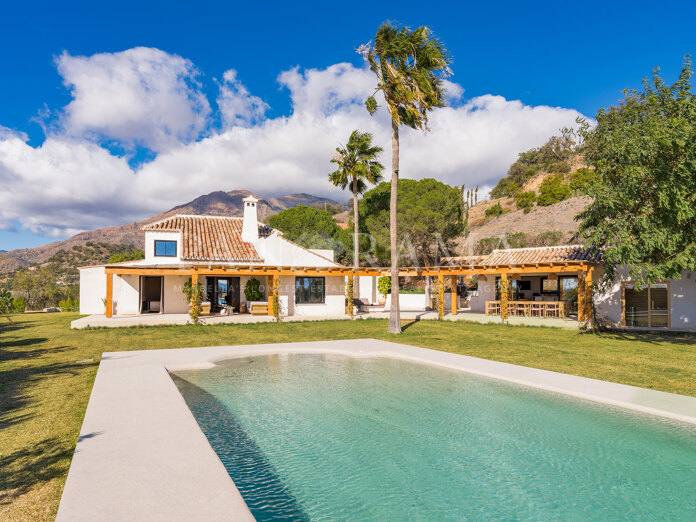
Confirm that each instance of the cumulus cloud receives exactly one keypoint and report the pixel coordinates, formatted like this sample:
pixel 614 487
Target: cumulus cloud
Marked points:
pixel 141 96
pixel 238 107
pixel 71 183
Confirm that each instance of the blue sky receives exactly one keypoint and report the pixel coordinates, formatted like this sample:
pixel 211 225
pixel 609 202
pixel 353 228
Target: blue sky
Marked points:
pixel 574 56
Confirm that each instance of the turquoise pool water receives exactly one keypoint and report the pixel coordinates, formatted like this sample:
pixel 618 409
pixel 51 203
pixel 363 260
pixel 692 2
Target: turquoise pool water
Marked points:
pixel 325 437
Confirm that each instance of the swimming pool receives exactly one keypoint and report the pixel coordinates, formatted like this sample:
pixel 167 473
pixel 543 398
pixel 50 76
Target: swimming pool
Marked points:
pixel 334 437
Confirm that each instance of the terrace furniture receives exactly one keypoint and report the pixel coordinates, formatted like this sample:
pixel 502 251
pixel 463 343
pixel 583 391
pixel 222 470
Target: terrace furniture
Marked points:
pixel 552 309
pixel 536 309
pixel 258 308
pixel 541 308
pixel 205 308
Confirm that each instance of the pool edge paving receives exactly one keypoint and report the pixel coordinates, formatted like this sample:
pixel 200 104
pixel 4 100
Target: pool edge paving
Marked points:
pixel 141 453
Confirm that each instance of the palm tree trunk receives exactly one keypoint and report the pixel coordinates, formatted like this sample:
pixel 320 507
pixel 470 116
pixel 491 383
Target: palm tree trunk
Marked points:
pixel 356 235
pixel 394 315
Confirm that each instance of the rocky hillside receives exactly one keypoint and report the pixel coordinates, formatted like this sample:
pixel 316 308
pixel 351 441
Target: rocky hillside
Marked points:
pixel 556 222
pixel 216 203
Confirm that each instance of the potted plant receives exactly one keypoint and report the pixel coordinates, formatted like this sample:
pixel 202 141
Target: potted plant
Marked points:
pixel 383 287
pixel 252 290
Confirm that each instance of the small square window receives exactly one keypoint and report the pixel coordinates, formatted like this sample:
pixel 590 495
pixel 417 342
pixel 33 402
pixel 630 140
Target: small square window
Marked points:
pixel 309 290
pixel 165 248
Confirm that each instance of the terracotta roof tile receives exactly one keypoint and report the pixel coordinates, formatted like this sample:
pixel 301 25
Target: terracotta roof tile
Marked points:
pixel 531 256
pixel 211 238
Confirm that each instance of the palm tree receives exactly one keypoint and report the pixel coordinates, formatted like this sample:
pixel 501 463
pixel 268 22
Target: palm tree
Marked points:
pixel 357 166
pixel 410 67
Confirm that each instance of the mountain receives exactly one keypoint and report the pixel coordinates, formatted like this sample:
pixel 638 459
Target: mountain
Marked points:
pixel 217 203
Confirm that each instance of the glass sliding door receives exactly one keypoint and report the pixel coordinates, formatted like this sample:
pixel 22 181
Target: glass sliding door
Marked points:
pixel 647 307
pixel 223 292
pixel 568 287
pixel 659 306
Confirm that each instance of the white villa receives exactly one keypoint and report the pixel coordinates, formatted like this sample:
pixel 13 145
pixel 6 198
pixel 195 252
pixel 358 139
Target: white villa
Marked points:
pixel 224 253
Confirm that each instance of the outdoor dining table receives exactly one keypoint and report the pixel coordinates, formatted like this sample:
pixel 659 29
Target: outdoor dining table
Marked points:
pixel 528 308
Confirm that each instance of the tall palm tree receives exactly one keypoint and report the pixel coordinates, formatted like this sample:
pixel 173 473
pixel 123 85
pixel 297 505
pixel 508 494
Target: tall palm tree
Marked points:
pixel 410 67
pixel 357 165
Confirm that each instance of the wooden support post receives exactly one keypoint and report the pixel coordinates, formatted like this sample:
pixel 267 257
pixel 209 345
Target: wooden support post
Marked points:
pixel 588 296
pixel 109 312
pixel 581 296
pixel 441 294
pixel 270 295
pixel 504 297
pixel 453 295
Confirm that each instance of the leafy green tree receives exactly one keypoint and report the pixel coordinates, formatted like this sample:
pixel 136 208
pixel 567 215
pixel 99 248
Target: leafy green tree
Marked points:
pixel 582 181
pixel 357 166
pixel 525 200
pixel 644 152
pixel 6 304
pixel 38 287
pixel 310 228
pixel 552 190
pixel 410 66
pixel 133 255
pixel 429 216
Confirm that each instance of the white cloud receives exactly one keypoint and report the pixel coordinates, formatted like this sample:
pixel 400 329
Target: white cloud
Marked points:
pixel 139 96
pixel 238 107
pixel 69 183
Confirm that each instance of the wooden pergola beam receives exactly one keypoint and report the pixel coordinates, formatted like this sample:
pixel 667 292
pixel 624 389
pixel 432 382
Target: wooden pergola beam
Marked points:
pixel 348 271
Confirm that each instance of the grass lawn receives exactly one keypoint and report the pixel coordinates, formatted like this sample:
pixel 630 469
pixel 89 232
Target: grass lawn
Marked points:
pixel 47 371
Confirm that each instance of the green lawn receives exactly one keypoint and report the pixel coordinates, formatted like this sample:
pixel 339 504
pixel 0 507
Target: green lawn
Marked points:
pixel 47 371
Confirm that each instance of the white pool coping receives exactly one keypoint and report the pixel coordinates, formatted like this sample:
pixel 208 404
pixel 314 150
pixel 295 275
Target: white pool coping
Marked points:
pixel 141 454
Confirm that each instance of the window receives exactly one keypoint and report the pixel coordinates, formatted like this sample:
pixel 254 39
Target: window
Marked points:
pixel 648 306
pixel 549 286
pixel 165 248
pixel 309 290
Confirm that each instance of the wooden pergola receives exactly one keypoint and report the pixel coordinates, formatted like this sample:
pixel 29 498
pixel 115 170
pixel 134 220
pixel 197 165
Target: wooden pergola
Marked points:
pixel 583 269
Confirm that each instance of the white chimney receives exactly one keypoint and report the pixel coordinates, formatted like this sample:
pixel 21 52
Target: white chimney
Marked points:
pixel 250 226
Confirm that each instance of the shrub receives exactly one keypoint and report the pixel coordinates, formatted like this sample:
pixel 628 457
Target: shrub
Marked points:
pixel 552 190
pixel 69 305
pixel 494 210
pixel 549 238
pixel 384 285
pixel 525 200
pixel 252 290
pixel 19 305
pixel 560 167
pixel 516 239
pixel 486 245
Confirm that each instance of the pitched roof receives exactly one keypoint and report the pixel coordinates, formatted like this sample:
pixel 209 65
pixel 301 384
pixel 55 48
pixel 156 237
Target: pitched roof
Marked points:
pixel 531 256
pixel 211 238
pixel 463 260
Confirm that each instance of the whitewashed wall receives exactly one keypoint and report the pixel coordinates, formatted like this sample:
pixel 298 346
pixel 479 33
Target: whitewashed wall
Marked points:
pixel 150 238
pixel 126 294
pixel 92 290
pixel 682 300
pixel 486 292
pixel 174 298
pixel 276 251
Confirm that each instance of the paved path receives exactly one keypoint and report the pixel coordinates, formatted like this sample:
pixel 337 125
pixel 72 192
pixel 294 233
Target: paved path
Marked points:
pixel 178 319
